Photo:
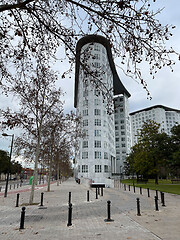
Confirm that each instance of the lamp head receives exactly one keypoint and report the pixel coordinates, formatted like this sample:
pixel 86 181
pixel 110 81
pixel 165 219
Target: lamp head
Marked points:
pixel 5 134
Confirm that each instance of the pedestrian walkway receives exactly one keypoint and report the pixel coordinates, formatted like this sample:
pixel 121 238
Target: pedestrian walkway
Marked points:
pixel 50 221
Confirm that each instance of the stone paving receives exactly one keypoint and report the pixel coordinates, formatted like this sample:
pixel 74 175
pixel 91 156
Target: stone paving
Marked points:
pixel 50 221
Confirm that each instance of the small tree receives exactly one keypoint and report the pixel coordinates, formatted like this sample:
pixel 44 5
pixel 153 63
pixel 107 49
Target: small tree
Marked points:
pixel 38 97
pixel 150 153
pixel 174 159
pixel 4 161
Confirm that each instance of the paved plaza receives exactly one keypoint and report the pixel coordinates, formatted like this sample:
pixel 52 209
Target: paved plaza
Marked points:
pixel 50 221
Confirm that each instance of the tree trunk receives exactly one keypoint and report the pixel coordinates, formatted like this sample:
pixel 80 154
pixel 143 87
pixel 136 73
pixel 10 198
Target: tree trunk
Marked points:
pixel 57 174
pixel 156 179
pixel 50 173
pixel 35 171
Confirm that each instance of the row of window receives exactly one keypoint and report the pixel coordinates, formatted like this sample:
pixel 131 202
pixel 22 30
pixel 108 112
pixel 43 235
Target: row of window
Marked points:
pixel 97 143
pixel 97 122
pixel 97 155
pixel 97 168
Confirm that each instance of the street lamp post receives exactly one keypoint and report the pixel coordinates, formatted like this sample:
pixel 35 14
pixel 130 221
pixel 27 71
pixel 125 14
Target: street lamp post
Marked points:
pixel 7 179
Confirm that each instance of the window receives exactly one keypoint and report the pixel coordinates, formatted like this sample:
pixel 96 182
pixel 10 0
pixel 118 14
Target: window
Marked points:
pixel 123 145
pixel 96 64
pixel 96 56
pixel 85 112
pixel 117 139
pixel 97 92
pixel 85 103
pixel 105 155
pixel 85 93
pixel 85 144
pixel 84 168
pixel 97 155
pixel 106 170
pixel 85 84
pixel 85 122
pixel 105 145
pixel 97 122
pixel 97 47
pixel 96 102
pixel 79 169
pixel 85 132
pixel 97 168
pixel 84 155
pixel 97 112
pixel 97 133
pixel 97 144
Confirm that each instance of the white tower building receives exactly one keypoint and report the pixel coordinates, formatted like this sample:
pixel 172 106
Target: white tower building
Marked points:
pixel 96 158
pixel 122 131
pixel 167 117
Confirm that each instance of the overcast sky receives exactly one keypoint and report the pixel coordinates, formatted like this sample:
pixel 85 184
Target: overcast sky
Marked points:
pixel 164 89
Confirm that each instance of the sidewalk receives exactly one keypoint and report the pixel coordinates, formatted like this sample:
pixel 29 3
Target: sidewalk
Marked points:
pixel 88 222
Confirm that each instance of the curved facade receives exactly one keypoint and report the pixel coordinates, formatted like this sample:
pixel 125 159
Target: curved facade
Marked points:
pixel 96 157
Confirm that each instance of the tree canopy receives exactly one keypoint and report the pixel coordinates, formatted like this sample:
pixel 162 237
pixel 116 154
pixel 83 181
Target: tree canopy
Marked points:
pixel 31 29
pixel 150 154
pixel 15 167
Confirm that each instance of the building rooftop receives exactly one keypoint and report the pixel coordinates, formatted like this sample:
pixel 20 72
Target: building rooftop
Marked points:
pixel 156 106
pixel 117 84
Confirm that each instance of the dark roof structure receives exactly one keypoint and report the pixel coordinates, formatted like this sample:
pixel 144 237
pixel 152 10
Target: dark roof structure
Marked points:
pixel 156 106
pixel 117 84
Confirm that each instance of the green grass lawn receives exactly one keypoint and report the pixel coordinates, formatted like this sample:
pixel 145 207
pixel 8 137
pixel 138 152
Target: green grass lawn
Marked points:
pixel 163 186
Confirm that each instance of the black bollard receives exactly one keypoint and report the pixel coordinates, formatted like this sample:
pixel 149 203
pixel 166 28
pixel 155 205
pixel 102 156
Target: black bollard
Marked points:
pixel 148 192
pixel 134 188
pixel 17 200
pixel 138 207
pixel 42 194
pixel 9 187
pixel 129 187
pixel 108 212
pixel 162 200
pixel 69 197
pixel 141 190
pixel 69 215
pixel 0 189
pixel 22 218
pixel 96 193
pixel 88 196
pixel 157 194
pixel 156 203
pixel 101 191
pixel 14 186
pixel 17 185
pixel 124 187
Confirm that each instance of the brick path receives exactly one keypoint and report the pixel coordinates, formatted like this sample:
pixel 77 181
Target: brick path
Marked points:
pixel 50 222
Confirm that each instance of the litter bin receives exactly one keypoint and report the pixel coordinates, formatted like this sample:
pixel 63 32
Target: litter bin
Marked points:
pixel 30 181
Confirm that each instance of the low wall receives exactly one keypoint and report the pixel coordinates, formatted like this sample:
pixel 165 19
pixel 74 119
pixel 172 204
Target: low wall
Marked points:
pixel 109 183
